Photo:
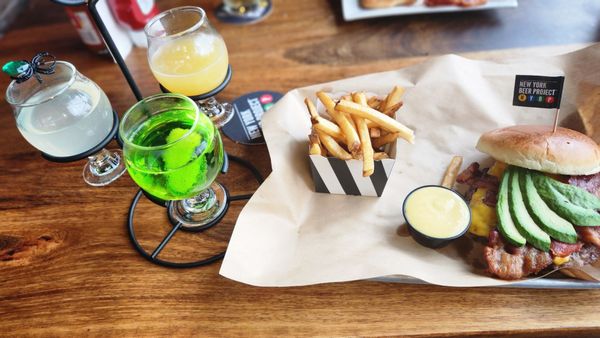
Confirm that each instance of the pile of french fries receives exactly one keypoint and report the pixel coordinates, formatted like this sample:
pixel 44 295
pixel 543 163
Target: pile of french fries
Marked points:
pixel 358 127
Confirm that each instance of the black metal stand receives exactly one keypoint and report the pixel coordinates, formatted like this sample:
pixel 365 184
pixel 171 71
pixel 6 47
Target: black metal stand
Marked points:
pixel 209 94
pixel 112 48
pixel 153 256
pixel 111 135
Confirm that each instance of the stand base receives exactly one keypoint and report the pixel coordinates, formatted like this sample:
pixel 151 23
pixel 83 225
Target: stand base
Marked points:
pixel 153 256
pixel 112 161
pixel 206 219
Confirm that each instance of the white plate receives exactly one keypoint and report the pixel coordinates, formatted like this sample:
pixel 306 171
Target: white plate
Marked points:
pixel 352 10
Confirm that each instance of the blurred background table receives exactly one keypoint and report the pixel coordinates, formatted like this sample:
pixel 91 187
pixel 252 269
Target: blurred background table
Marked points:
pixel 66 264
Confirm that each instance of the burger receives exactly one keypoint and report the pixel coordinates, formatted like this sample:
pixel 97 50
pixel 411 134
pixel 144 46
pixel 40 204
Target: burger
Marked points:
pixel 538 205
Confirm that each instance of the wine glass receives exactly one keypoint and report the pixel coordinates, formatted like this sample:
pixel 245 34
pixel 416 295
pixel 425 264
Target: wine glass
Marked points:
pixel 174 153
pixel 188 56
pixel 65 115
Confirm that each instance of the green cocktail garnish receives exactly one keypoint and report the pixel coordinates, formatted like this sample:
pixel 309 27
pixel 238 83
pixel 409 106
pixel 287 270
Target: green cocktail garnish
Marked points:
pixel 178 155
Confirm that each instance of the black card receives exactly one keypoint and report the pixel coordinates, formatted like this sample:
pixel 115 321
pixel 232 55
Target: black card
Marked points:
pixel 538 91
pixel 244 127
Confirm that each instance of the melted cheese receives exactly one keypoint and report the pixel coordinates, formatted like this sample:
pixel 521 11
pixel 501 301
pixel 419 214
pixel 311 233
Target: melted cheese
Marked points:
pixel 557 260
pixel 483 217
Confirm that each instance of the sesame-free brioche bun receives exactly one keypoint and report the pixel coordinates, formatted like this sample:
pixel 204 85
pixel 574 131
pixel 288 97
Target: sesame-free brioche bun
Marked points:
pixel 565 152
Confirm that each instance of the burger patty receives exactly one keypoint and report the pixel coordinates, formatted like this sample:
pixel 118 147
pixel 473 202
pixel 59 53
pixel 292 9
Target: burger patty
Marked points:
pixel 589 235
pixel 587 255
pixel 591 183
pixel 508 262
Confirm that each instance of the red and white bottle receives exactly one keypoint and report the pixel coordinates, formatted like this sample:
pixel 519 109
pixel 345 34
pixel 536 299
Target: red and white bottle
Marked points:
pixel 133 15
pixel 82 21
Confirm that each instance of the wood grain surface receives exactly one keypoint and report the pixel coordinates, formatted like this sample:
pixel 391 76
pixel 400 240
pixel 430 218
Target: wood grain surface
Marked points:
pixel 68 269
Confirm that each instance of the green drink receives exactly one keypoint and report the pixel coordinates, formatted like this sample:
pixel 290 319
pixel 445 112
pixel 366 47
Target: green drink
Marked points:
pixel 171 150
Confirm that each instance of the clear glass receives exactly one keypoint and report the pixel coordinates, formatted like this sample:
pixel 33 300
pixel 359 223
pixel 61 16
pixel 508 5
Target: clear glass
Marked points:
pixel 188 56
pixel 64 115
pixel 174 152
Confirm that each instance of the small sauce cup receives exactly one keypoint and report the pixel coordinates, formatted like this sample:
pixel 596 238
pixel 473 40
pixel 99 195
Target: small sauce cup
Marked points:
pixel 436 215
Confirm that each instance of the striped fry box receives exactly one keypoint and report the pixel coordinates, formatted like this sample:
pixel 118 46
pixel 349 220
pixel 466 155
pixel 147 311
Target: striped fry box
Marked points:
pixel 334 176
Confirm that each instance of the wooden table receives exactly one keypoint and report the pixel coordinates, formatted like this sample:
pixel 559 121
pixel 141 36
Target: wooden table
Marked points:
pixel 67 267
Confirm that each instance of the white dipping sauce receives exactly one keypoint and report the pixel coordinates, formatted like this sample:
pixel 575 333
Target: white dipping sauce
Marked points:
pixel 437 212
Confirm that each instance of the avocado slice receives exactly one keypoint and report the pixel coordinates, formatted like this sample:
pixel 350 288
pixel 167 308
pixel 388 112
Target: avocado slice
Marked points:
pixel 554 225
pixel 525 224
pixel 506 226
pixel 575 195
pixel 562 206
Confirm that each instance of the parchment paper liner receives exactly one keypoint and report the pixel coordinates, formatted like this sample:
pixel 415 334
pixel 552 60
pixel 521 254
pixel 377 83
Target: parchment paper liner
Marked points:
pixel 289 235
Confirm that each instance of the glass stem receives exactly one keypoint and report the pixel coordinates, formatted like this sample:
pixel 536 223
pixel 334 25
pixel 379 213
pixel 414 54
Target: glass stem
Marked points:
pixel 219 113
pixel 211 107
pixel 200 203
pixel 104 162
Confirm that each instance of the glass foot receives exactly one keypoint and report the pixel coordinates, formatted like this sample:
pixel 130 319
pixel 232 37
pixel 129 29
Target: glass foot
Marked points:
pixel 103 168
pixel 200 210
pixel 219 113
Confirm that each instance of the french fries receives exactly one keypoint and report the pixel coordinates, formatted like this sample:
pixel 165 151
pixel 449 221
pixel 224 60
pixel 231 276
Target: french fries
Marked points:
pixel 391 111
pixel 374 132
pixel 374 102
pixel 312 110
pixel 365 137
pixel 378 117
pixel 358 127
pixel 349 131
pixel 383 140
pixel 322 124
pixel 330 129
pixel 452 172
pixel 380 156
pixel 314 144
pixel 393 98
pixel 333 147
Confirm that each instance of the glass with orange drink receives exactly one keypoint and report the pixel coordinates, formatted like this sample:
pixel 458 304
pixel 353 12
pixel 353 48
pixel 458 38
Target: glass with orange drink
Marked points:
pixel 188 56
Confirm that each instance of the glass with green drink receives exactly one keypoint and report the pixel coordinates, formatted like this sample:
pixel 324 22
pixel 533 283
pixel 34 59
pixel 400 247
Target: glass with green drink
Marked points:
pixel 174 153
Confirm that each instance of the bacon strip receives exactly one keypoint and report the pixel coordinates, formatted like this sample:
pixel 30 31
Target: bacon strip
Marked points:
pixel 590 235
pixel 563 249
pixel 476 178
pixel 469 174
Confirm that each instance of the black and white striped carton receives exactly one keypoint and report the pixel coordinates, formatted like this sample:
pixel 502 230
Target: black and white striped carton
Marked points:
pixel 334 176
